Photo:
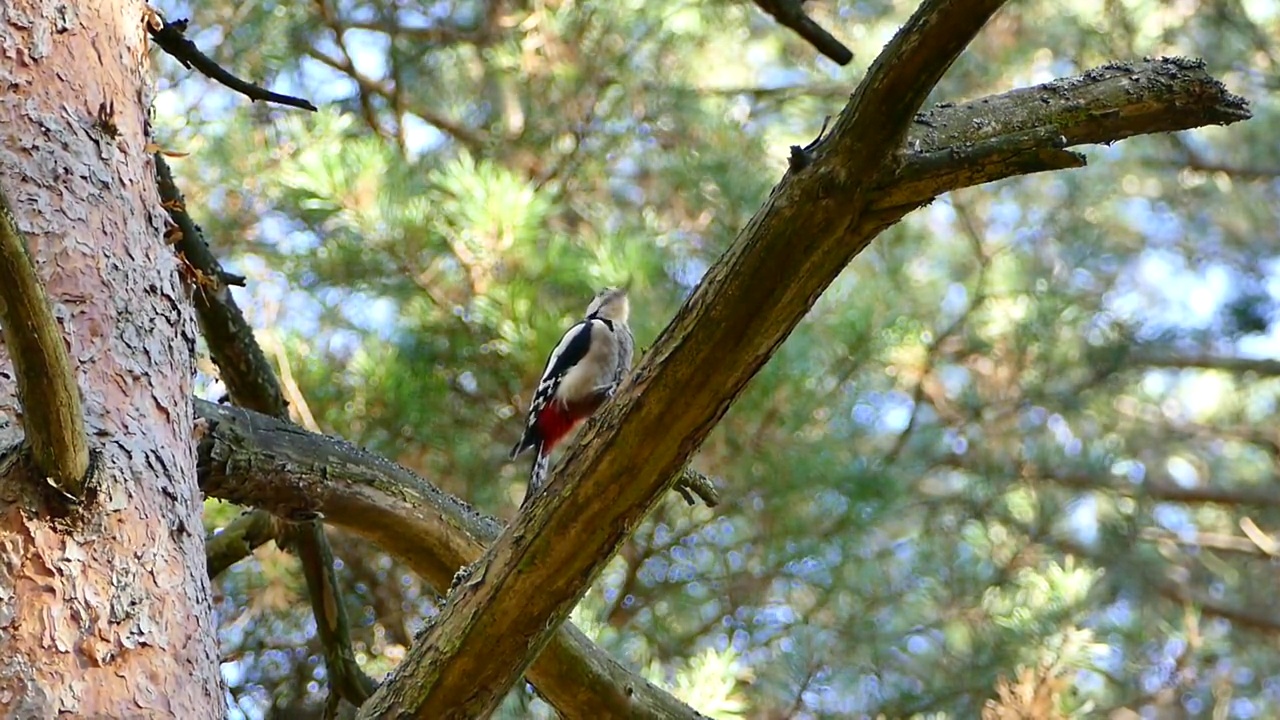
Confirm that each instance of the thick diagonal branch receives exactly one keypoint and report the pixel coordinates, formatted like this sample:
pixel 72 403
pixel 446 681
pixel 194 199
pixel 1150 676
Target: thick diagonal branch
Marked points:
pixel 52 414
pixel 937 156
pixel 575 676
pixel 815 221
pixel 747 304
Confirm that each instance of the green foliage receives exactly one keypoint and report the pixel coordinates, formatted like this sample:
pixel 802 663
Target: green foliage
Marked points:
pixel 710 680
pixel 950 483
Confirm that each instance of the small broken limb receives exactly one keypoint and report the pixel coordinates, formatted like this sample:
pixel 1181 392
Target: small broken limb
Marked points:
pixel 172 38
pixel 691 483
pixel 789 14
pixel 88 485
pixel 802 157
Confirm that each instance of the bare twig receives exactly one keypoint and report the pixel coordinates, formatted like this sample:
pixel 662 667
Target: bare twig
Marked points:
pixel 52 414
pixel 470 138
pixel 285 373
pixel 1263 541
pixel 171 37
pixel 1193 159
pixel 347 680
pixel 340 37
pixel 789 13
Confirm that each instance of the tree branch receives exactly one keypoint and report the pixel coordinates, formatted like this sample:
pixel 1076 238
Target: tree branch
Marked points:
pixel 1024 131
pixel 52 414
pixel 1103 105
pixel 1161 488
pixel 789 13
pixel 1180 592
pixel 1265 368
pixel 468 137
pixel 171 37
pixel 346 679
pixel 251 459
pixel 243 367
pixel 393 94
pixel 812 224
pixel 500 617
pixel 574 675
pixel 252 383
pixel 1208 541
pixel 237 541
pixel 693 483
pixel 1156 486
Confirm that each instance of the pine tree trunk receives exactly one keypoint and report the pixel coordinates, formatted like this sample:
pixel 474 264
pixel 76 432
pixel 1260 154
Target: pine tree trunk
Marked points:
pixel 105 612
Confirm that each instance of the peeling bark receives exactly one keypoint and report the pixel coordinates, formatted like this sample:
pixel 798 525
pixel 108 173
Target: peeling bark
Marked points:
pixel 104 612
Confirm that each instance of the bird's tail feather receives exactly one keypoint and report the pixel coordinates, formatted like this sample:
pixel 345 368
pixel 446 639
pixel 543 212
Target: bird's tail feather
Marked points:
pixel 537 475
pixel 525 443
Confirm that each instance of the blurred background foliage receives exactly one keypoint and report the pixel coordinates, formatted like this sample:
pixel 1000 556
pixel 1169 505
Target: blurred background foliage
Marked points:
pixel 1023 451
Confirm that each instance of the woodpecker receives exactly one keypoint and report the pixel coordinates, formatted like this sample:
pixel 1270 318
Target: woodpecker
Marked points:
pixel 582 372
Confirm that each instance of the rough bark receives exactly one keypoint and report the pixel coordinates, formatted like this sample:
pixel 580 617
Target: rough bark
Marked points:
pixel 104 610
pixel 252 459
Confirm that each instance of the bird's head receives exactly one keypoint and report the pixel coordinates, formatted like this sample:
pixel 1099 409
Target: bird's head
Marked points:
pixel 611 304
